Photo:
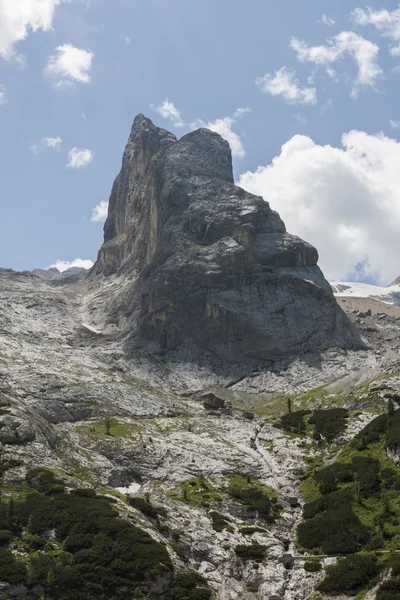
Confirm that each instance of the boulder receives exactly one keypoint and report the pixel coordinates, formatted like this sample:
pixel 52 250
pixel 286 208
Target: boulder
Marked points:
pixel 212 402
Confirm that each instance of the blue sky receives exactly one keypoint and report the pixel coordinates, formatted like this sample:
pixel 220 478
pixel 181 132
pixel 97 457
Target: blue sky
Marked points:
pixel 73 75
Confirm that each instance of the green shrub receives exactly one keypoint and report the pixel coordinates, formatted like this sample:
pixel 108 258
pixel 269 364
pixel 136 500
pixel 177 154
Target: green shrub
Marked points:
pixel 312 566
pixel 367 472
pixel 84 492
pixel 393 434
pixel 251 530
pixel 329 423
pixel 389 590
pixel 294 421
pixel 145 507
pixel 371 433
pixel 219 523
pixel 12 570
pixel 253 496
pixel 189 586
pixel 45 481
pixel 34 542
pixel 251 552
pixel 6 537
pixel 102 553
pixel 329 478
pixel 332 525
pixel 350 574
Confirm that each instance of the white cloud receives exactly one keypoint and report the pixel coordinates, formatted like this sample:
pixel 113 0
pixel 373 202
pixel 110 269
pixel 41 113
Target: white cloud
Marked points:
pixel 127 41
pixel 3 95
pixel 394 124
pixel 327 20
pixel 387 23
pixel 63 265
pixel 78 158
pixel 364 52
pixel 343 200
pixel 224 126
pixel 169 111
pixel 47 142
pixel 17 17
pixel 52 142
pixel 284 83
pixel 69 64
pixel 100 212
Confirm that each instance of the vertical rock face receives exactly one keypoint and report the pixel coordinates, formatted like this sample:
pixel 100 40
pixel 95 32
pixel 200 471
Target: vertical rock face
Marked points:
pixel 212 267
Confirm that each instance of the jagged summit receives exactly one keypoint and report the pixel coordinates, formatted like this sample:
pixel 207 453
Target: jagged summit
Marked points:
pixel 212 269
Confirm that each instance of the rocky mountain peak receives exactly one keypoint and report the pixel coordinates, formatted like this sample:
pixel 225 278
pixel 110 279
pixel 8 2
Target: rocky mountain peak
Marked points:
pixel 212 270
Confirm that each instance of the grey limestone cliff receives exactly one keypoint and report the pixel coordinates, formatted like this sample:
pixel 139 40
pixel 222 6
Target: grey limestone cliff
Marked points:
pixel 212 269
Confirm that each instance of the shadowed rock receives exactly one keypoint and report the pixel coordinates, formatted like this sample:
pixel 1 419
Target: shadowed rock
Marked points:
pixel 213 270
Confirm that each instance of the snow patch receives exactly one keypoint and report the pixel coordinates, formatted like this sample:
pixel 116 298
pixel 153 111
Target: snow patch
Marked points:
pixel 388 295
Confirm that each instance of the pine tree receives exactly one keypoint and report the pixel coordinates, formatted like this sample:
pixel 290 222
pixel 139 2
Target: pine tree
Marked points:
pixel 107 424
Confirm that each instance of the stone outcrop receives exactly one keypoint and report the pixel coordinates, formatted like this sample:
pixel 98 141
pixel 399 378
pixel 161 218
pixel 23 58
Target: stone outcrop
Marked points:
pixel 213 269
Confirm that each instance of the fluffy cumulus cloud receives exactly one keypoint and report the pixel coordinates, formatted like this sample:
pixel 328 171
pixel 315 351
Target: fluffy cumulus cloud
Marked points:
pixel 364 52
pixel 100 212
pixel 387 23
pixel 169 111
pixel 63 265
pixel 79 158
pixel 224 127
pixel 69 65
pixel 284 83
pixel 18 17
pixel 345 201
pixel 3 95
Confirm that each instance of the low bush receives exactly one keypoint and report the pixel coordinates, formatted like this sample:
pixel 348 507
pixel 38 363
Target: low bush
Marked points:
pixel 350 574
pixel 6 537
pixel 367 473
pixel 332 525
pixel 219 523
pixel 189 586
pixel 252 552
pixel 11 569
pixel 145 507
pixel 389 590
pixel 371 433
pixel 393 433
pixel 294 422
pixel 253 496
pixel 329 478
pixel 312 566
pixel 329 423
pixel 101 553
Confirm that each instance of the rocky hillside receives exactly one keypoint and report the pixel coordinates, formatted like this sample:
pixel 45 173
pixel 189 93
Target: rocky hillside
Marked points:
pixel 134 471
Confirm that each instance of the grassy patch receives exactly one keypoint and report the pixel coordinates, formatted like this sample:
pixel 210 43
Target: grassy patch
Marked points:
pixel 197 491
pixel 110 428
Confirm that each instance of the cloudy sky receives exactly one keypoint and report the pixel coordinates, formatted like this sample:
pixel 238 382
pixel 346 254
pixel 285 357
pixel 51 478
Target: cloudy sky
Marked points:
pixel 306 93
